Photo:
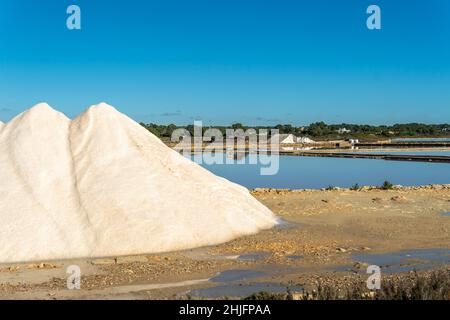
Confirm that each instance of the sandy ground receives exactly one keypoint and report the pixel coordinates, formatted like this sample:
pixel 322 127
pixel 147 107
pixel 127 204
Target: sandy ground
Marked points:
pixel 317 240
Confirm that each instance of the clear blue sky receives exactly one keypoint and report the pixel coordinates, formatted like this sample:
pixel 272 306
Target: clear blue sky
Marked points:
pixel 252 61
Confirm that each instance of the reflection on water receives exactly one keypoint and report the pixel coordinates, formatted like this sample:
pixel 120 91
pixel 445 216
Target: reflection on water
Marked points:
pixel 235 284
pixel 317 172
pixel 298 148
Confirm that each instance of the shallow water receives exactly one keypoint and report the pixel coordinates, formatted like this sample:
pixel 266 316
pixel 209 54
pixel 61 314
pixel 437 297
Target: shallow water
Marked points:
pixel 237 275
pixel 240 290
pixel 204 254
pixel 320 172
pixel 404 261
pixel 446 214
pixel 253 256
pixel 284 224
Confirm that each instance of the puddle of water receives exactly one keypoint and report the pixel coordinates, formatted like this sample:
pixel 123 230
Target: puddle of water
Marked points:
pixel 283 224
pixel 237 275
pixel 148 287
pixel 240 290
pixel 404 261
pixel 294 257
pixel 253 256
pixel 446 214
pixel 204 254
pixel 341 268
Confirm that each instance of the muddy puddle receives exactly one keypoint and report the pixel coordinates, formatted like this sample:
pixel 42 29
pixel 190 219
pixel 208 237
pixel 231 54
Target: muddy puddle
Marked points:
pixel 238 283
pixel 283 224
pixel 294 257
pixel 237 275
pixel 404 261
pixel 253 256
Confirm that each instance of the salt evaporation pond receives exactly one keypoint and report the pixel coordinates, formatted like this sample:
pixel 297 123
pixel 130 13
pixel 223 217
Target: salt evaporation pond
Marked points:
pixel 320 172
pixel 421 140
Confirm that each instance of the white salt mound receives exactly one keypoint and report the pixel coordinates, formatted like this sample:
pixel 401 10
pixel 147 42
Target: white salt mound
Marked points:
pixel 102 185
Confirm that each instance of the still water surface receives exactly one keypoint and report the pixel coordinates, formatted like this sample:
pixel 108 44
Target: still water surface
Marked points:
pixel 317 172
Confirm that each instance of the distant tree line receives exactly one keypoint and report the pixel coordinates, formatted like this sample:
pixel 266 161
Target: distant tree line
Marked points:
pixel 323 130
pixel 320 129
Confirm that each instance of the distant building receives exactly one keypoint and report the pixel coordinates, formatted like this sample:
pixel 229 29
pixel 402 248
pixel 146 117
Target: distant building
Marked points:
pixel 343 130
pixel 304 140
pixel 353 141
pixel 340 143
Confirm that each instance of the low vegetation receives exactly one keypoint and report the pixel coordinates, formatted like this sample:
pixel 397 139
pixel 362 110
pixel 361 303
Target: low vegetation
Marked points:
pixel 263 295
pixel 321 130
pixel 387 186
pixel 428 286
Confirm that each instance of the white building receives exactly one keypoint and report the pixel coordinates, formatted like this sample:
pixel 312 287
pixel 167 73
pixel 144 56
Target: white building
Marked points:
pixel 305 140
pixel 343 130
